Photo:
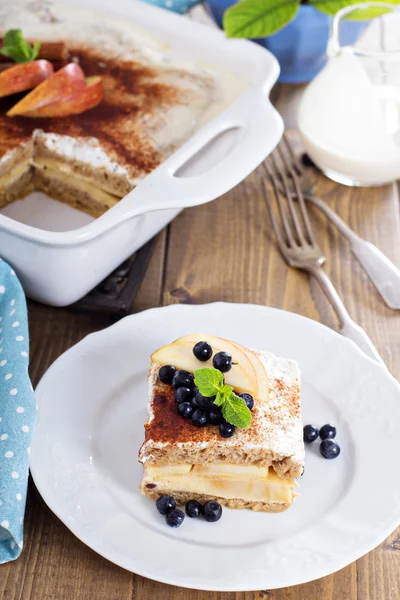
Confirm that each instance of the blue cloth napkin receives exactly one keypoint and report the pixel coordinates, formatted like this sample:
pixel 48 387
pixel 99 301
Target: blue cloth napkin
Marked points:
pixel 17 413
pixel 179 6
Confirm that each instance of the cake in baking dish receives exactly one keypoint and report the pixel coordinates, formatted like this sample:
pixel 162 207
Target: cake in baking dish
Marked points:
pixel 253 468
pixel 151 105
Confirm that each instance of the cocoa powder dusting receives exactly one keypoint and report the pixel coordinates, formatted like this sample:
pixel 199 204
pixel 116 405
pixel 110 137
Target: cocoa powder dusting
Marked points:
pixel 133 92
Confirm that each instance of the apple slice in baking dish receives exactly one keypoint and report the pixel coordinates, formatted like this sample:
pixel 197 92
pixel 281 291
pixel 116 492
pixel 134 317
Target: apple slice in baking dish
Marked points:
pixel 24 76
pixel 83 100
pixel 67 92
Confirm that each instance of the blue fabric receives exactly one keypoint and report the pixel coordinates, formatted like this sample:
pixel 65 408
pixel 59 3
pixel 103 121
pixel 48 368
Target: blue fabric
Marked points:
pixel 179 6
pixel 300 47
pixel 17 413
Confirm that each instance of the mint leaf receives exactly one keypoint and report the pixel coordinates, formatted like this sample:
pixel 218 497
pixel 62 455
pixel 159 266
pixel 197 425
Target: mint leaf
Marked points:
pixel 331 7
pixel 209 381
pixel 225 392
pixel 219 399
pixel 235 411
pixel 35 50
pixel 17 48
pixel 258 18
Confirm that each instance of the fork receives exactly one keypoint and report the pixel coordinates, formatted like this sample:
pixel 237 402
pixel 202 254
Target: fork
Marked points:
pixel 297 243
pixel 382 272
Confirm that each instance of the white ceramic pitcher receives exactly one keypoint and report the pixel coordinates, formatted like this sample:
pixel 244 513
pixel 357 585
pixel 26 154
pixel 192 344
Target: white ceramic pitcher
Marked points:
pixel 349 116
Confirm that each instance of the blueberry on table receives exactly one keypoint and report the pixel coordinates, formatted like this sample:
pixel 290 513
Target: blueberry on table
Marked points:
pixel 175 518
pixel 183 394
pixel 182 379
pixel 327 431
pixel 329 449
pixel 199 418
pixel 193 509
pixel 212 511
pixel 166 373
pixel 226 430
pixel 215 416
pixel 248 398
pixel 310 433
pixel 185 409
pixel 202 351
pixel 165 503
pixel 222 361
pixel 204 402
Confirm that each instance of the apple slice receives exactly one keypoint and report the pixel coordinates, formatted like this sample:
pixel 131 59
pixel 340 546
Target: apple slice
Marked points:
pixel 260 390
pixel 223 469
pixel 80 102
pixel 62 84
pixel 241 377
pixel 24 76
pixel 169 470
pixel 262 375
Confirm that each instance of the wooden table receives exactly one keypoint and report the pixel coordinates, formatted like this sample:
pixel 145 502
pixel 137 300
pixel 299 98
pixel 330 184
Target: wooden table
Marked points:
pixel 222 251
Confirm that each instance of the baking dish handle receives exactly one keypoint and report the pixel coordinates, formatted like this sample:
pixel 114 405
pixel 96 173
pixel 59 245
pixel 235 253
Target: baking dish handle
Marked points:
pixel 261 129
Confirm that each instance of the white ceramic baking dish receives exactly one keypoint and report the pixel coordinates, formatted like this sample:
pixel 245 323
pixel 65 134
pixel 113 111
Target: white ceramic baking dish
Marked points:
pixel 59 267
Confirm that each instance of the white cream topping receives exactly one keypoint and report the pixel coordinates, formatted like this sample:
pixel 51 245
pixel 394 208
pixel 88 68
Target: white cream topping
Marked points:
pixel 87 151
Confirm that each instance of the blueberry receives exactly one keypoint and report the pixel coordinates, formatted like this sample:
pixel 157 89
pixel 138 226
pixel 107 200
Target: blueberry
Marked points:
pixel 204 402
pixel 248 398
pixel 222 361
pixel 310 433
pixel 175 518
pixel 199 418
pixel 183 394
pixel 327 431
pixel 212 511
pixel 185 409
pixel 166 373
pixel 329 449
pixel 202 351
pixel 182 379
pixel 194 402
pixel 214 416
pixel 226 430
pixel 193 509
pixel 165 503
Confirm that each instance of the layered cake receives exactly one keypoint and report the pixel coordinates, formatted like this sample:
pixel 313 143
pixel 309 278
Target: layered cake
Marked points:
pixel 242 446
pixel 151 105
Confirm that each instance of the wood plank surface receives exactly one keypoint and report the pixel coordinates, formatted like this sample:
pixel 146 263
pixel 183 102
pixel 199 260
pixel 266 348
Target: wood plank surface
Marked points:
pixel 222 251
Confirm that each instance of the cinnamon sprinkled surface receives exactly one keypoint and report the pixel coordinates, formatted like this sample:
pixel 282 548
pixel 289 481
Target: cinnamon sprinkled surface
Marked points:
pixel 276 425
pixel 133 94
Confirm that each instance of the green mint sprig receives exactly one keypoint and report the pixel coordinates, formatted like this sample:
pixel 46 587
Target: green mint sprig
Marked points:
pixel 210 382
pixel 16 47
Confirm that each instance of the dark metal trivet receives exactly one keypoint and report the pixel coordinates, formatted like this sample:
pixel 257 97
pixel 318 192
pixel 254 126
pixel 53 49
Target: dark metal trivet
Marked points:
pixel 117 292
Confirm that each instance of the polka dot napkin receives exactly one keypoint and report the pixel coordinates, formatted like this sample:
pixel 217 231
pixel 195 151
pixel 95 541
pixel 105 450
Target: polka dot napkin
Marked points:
pixel 17 413
pixel 179 6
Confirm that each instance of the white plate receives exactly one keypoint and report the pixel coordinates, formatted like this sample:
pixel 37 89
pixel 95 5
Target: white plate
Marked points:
pixel 92 406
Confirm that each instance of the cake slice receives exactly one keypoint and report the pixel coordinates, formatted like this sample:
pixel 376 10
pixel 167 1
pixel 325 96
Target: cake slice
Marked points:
pixel 257 467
